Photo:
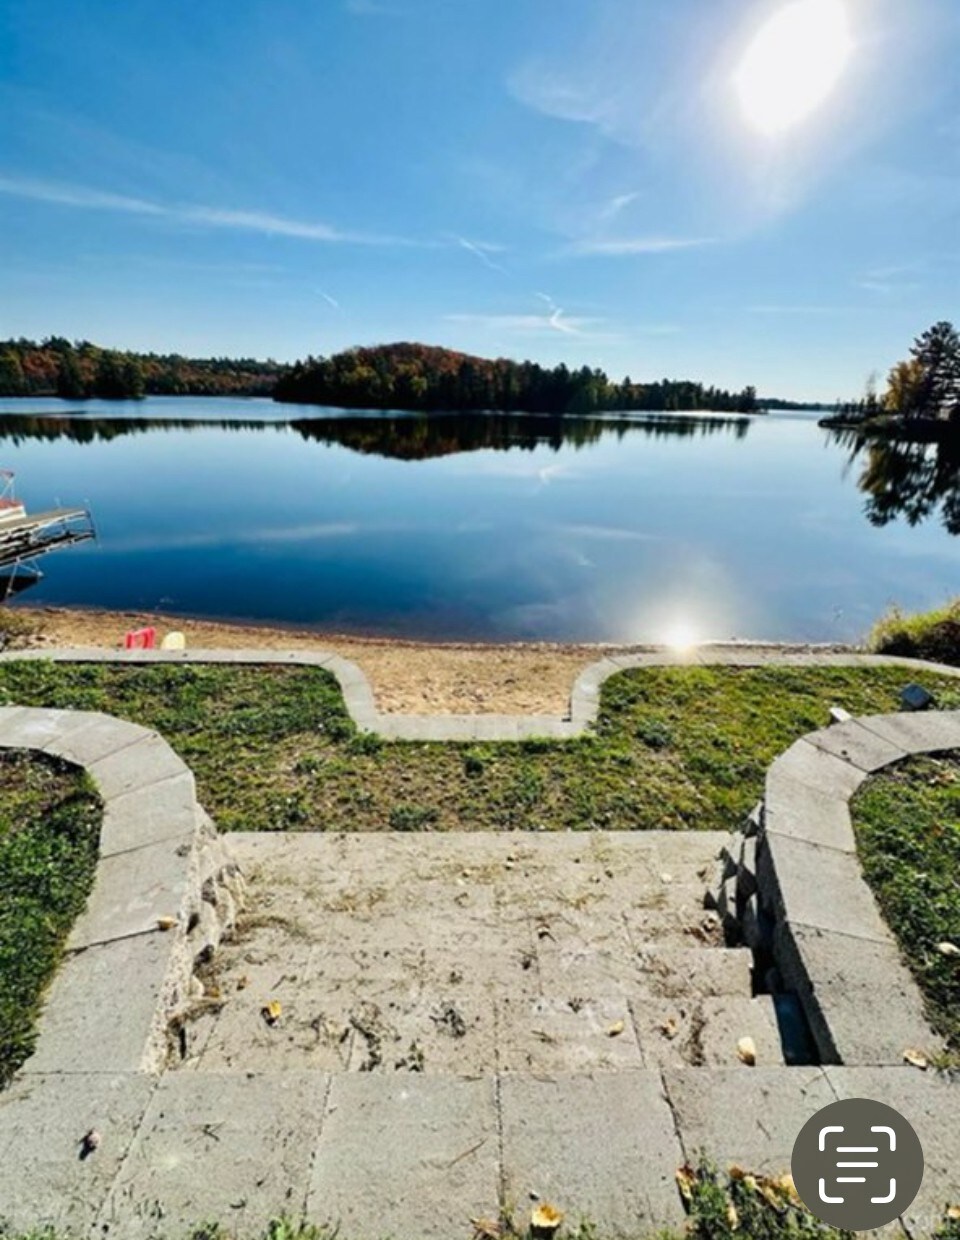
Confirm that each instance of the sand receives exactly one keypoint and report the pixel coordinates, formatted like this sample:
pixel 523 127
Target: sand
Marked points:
pixel 407 677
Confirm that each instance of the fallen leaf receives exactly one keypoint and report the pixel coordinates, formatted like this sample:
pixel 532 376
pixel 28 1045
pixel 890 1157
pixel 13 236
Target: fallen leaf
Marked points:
pixel 747 1052
pixel 953 1212
pixel 616 1029
pixel 737 1173
pixel 271 1012
pixel 546 1218
pixel 243 982
pixel 686 1179
pixel 166 923
pixel 670 1028
pixel 917 1059
pixel 948 949
pixel 485 1228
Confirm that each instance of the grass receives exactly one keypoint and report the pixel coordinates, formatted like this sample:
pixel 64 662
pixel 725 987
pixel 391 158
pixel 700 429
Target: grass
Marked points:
pixel 907 822
pixel 274 748
pixel 49 835
pixel 933 635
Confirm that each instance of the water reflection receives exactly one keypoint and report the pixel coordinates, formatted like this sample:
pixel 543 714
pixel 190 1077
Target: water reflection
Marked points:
pixel 396 437
pixel 915 481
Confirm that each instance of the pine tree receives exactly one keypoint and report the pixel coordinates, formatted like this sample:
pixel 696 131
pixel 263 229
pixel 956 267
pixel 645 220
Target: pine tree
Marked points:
pixel 937 354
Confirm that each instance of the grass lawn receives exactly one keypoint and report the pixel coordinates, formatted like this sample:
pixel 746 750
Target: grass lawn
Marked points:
pixel 49 835
pixel 907 822
pixel 274 749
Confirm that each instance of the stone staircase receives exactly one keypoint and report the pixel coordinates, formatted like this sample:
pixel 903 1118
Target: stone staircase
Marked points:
pixel 478 955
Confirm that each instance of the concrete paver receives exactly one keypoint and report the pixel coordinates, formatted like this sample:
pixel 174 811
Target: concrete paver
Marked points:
pixel 235 1148
pixel 45 1182
pixel 748 1116
pixel 406 1157
pixel 932 1105
pixel 602 1148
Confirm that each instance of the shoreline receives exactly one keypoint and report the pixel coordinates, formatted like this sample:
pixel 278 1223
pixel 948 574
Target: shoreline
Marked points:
pixel 407 676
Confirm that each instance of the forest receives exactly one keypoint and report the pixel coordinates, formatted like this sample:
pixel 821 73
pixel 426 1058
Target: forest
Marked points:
pixel 76 371
pixel 426 379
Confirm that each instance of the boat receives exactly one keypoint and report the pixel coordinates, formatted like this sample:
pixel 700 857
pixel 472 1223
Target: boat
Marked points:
pixel 11 508
pixel 24 538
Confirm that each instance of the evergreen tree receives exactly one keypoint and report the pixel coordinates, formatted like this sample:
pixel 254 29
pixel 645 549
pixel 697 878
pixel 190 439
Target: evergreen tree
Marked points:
pixel 70 381
pixel 937 355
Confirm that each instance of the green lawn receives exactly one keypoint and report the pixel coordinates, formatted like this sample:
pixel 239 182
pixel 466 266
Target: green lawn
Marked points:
pixel 49 835
pixel 274 749
pixel 907 822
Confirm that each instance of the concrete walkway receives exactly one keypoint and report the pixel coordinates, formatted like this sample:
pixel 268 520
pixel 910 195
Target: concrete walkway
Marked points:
pixel 467 1024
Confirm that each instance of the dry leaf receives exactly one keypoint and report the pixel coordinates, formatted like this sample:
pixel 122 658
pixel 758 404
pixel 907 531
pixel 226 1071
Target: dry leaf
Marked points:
pixel 686 1179
pixel 616 1029
pixel 737 1173
pixel 948 949
pixel 670 1028
pixel 916 1059
pixel 166 923
pixel 485 1228
pixel 271 1012
pixel 243 982
pixel 733 1218
pixel 953 1212
pixel 747 1052
pixel 546 1218
pixel 788 1188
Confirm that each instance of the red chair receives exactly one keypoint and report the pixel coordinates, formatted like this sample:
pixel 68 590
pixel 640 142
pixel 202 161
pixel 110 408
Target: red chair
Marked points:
pixel 140 639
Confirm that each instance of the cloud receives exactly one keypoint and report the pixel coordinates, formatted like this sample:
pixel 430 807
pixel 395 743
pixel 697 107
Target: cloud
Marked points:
pixel 327 298
pixel 619 246
pixel 261 222
pixel 618 203
pixel 482 251
pixel 555 320
pixel 526 324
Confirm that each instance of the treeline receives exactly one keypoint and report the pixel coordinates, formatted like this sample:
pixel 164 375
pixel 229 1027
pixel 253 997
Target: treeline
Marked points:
pixel 424 378
pixel 922 389
pixel 76 371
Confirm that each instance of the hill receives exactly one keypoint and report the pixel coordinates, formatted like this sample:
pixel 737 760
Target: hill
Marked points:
pixel 426 378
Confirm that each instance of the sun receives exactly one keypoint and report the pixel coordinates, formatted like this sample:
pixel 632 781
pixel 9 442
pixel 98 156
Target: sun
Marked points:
pixel 793 64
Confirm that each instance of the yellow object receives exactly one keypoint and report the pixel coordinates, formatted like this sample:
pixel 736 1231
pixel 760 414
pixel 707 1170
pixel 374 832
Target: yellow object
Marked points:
pixel 174 641
pixel 546 1218
pixel 272 1011
pixel 747 1051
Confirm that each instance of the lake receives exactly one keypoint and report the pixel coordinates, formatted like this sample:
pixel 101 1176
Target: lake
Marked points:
pixel 498 527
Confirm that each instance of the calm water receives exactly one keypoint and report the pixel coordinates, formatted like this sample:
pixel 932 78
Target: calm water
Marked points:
pixel 499 527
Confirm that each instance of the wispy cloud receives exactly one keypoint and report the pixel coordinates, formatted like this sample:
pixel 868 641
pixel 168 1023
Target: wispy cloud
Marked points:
pixel 557 320
pixel 482 251
pixel 614 247
pixel 614 206
pixel 332 301
pixel 262 222
pixel 526 324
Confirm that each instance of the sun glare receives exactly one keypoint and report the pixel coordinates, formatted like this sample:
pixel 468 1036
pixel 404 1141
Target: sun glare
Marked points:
pixel 681 636
pixel 793 65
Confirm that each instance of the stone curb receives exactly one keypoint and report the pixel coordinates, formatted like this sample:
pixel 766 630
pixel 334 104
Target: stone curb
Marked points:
pixel 359 698
pixel 792 889
pixel 163 893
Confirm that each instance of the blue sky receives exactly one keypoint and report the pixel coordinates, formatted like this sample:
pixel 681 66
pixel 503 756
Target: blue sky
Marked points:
pixel 568 180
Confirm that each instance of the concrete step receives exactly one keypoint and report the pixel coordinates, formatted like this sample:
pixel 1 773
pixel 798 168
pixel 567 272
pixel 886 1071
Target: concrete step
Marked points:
pixel 668 972
pixel 706 1032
